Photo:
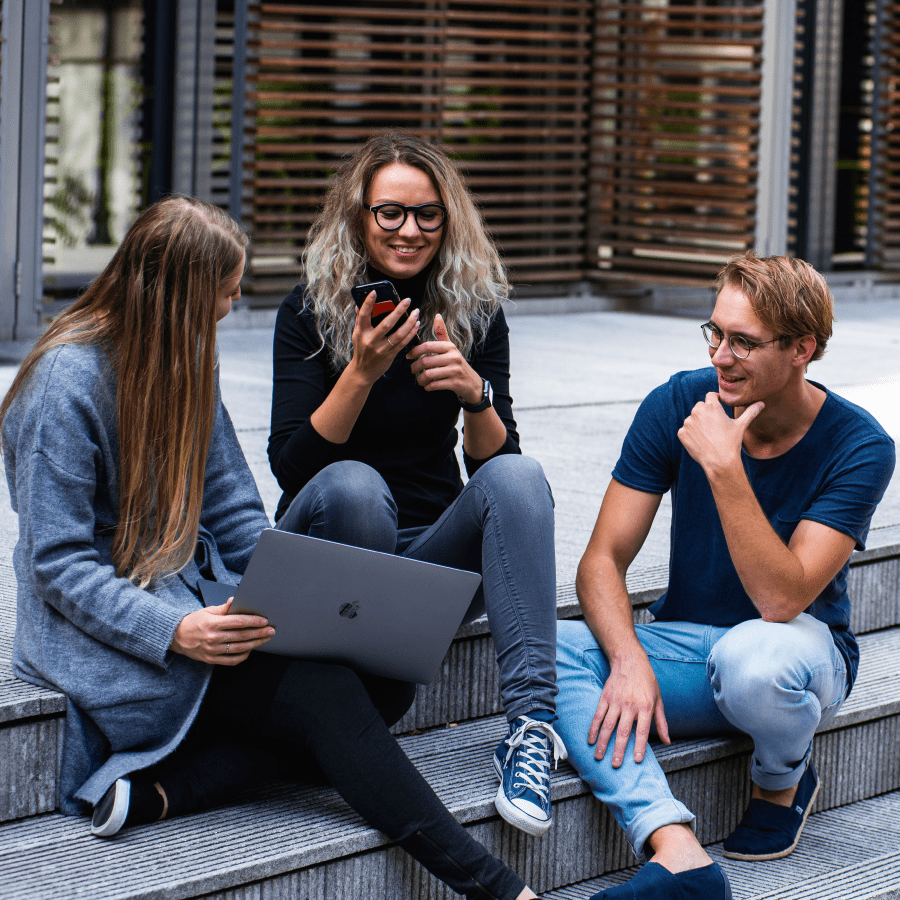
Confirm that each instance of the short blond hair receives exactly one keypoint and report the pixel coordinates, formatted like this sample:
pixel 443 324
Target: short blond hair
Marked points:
pixel 787 295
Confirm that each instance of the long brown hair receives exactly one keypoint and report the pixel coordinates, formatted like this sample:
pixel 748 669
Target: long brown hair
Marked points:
pixel 154 309
pixel 468 281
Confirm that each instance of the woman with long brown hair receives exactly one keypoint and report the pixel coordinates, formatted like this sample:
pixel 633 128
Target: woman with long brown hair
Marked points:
pixel 130 485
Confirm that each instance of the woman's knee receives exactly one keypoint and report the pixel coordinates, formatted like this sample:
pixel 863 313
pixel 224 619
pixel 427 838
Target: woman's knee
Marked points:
pixel 353 484
pixel 347 502
pixel 516 479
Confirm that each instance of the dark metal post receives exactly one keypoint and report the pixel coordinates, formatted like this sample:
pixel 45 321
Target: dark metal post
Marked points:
pixel 25 37
pixel 159 105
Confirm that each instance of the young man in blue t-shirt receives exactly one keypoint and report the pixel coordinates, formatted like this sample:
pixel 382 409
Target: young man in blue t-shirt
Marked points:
pixel 774 481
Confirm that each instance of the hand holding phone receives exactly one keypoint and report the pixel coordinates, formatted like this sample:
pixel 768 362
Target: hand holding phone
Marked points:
pixel 386 299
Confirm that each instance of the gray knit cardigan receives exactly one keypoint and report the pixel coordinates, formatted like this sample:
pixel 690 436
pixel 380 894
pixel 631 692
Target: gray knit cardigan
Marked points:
pixel 81 630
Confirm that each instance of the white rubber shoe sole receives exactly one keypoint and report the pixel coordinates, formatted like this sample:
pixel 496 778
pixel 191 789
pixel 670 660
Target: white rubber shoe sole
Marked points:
pixel 112 810
pixel 515 816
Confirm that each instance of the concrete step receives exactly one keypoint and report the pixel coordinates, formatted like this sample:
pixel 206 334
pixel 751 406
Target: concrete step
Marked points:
pixel 851 853
pixel 302 841
pixel 467 687
pixel 468 684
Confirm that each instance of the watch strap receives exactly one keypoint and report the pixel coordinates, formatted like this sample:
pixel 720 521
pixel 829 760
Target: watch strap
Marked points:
pixel 484 403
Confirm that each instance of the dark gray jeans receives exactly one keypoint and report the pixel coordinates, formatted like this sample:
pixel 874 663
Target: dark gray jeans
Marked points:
pixel 501 526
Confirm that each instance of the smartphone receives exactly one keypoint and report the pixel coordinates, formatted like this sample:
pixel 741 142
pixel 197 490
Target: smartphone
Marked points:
pixel 386 298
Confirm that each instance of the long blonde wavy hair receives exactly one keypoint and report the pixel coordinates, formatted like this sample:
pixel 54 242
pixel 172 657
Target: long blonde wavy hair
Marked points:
pixel 467 282
pixel 154 309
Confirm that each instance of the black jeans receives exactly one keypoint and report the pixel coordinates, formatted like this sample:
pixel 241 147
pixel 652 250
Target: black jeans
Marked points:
pixel 304 715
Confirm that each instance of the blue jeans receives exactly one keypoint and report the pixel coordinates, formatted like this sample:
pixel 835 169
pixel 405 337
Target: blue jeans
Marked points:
pixel 777 682
pixel 501 526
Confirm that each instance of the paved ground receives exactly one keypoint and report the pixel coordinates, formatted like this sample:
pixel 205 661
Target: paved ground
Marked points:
pixel 577 381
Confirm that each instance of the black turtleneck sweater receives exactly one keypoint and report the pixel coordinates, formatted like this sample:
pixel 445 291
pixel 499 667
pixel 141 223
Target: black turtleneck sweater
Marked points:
pixel 405 433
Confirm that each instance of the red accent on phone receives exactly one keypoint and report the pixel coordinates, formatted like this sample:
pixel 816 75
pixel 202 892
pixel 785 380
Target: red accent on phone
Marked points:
pixel 383 305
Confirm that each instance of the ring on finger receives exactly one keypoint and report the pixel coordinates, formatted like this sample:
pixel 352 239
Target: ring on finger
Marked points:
pixel 390 341
pixel 228 649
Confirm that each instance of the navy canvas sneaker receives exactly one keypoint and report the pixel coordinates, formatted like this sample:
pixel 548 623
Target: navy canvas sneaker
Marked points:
pixel 522 763
pixel 655 882
pixel 770 831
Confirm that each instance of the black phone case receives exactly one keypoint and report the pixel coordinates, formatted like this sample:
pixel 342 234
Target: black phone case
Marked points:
pixel 385 292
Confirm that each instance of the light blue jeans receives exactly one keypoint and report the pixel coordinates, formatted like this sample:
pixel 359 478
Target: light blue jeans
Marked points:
pixel 501 526
pixel 778 682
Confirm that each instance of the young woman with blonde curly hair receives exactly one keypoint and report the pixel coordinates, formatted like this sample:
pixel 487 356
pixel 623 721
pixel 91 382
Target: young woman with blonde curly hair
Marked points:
pixel 364 423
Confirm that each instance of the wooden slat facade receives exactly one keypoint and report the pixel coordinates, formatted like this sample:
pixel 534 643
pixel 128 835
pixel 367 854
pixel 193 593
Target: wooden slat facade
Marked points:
pixel 674 137
pixel 224 56
pixel 51 147
pixel 505 86
pixel 601 138
pixel 611 139
pixel 885 220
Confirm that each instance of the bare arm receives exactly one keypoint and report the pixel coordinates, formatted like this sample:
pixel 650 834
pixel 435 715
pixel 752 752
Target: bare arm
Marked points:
pixel 781 579
pixel 631 695
pixel 373 353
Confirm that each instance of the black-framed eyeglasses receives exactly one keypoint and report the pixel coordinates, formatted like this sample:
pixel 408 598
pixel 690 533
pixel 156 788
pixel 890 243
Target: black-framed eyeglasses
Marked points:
pixel 392 216
pixel 739 345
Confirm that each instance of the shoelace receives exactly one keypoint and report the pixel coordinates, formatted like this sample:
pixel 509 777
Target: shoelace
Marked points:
pixel 533 763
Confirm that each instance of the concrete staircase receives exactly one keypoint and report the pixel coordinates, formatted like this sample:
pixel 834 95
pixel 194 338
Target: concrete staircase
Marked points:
pixel 295 841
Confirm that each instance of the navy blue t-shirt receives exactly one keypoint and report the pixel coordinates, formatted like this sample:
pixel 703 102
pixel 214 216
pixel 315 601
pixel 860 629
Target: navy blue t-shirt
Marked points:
pixel 836 474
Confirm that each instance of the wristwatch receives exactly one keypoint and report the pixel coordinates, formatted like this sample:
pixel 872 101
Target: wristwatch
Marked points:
pixel 487 399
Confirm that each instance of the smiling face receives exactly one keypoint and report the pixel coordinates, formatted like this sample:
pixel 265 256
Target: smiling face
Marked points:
pixel 229 291
pixel 766 371
pixel 405 252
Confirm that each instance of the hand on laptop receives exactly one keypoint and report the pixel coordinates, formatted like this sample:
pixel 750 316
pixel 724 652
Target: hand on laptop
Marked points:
pixel 211 636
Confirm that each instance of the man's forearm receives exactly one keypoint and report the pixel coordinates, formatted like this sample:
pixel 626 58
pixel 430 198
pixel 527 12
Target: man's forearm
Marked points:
pixel 781 580
pixel 771 574
pixel 630 700
pixel 607 607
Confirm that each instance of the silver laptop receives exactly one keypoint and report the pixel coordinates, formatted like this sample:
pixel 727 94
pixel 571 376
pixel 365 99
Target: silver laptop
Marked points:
pixel 377 612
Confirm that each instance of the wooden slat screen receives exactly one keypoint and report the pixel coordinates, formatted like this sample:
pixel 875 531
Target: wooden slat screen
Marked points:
pixel 517 113
pixel 504 85
pixel 224 55
pixel 885 217
pixel 674 136
pixel 801 109
pixel 854 129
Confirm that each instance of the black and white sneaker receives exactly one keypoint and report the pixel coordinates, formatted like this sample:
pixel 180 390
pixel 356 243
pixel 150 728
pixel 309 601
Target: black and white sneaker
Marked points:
pixel 112 810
